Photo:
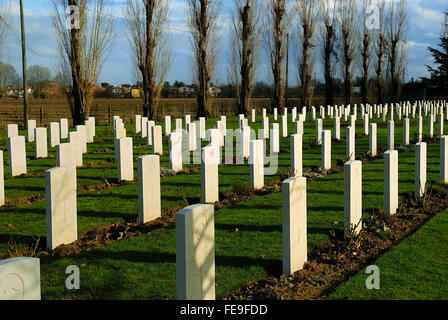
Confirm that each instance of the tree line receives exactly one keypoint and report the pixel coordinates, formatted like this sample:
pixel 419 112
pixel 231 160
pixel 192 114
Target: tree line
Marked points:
pixel 352 39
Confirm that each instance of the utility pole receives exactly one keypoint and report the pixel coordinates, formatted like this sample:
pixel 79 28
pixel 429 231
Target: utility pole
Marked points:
pixel 22 27
pixel 287 70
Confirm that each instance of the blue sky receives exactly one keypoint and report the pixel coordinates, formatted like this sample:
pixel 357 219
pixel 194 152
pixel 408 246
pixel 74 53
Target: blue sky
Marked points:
pixel 425 21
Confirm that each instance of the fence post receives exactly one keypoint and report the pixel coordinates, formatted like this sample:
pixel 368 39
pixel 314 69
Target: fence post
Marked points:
pixel 41 116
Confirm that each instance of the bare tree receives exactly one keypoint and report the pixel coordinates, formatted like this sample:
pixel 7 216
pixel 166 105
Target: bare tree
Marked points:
pixel 276 26
pixel 246 31
pixel 348 31
pixel 308 13
pixel 37 76
pixel 8 76
pixel 146 21
pixel 380 50
pixel 396 28
pixel 4 14
pixel 366 44
pixel 328 43
pixel 202 19
pixel 85 46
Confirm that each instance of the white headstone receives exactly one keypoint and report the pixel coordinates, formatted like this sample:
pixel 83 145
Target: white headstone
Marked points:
pixel 125 159
pixel 40 143
pixel 284 126
pixel 390 135
pixel 373 140
pixel 54 134
pixel 406 131
pixel 20 279
pixel 352 197
pixel 326 150
pixel 65 155
pixel 83 137
pixel 31 125
pixel 390 181
pixel 167 125
pixel 175 147
pixel 275 139
pixel 17 155
pixel 350 144
pixel 294 224
pixel 337 128
pixel 157 145
pixel 61 207
pixel 74 138
pixel 191 130
pixel 138 123
pixel 296 155
pixel 149 202
pixel 2 180
pixel 209 175
pixel 443 159
pixel 12 130
pixel 256 163
pixel 63 127
pixel 149 125
pixel 420 169
pixel 195 253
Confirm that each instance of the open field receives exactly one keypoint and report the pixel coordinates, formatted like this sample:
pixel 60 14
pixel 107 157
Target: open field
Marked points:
pixel 247 233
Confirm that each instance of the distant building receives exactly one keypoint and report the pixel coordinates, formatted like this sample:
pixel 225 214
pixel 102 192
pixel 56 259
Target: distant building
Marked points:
pixel 17 92
pixel 214 91
pixel 136 92
pixel 117 90
pixel 185 91
pixel 121 91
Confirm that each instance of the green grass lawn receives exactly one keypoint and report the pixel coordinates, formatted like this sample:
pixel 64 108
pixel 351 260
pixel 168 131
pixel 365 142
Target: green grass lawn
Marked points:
pixel 248 235
pixel 416 269
pixel 97 208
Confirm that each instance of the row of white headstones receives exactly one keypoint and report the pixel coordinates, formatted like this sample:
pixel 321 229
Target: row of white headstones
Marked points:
pixel 195 224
